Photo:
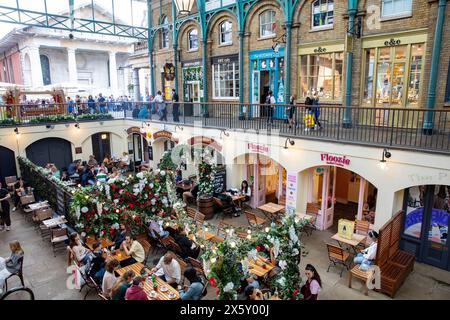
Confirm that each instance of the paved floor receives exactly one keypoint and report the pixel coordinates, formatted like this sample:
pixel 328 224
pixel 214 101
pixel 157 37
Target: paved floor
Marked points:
pixel 46 275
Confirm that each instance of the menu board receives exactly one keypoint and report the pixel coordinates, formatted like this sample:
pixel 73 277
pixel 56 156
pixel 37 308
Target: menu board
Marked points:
pixel 220 180
pixel 291 191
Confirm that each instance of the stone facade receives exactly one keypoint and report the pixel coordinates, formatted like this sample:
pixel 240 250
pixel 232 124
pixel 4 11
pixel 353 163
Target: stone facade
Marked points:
pixel 413 28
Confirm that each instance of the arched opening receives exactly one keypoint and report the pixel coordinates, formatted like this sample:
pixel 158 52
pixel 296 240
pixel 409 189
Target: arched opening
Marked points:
pixel 335 193
pixel 101 145
pixel 265 176
pixel 425 229
pixel 45 66
pixel 7 164
pixel 50 150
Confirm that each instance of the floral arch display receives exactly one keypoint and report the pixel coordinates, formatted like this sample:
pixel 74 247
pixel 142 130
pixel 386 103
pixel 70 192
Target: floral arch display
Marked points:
pixel 136 200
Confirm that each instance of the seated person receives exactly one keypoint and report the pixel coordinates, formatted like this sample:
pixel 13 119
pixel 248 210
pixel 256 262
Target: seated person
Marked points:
pixel 21 188
pixel 134 249
pixel 119 237
pixel 97 270
pixel 191 193
pixel 367 256
pixel 101 175
pixel 113 175
pixel 124 161
pixel 156 229
pixel 109 278
pixel 92 162
pixel 88 177
pixel 246 190
pixel 136 291
pixel 179 176
pixel 194 292
pixel 253 294
pixel 82 254
pixel 10 265
pixel 168 269
pixel 188 247
pixel 72 169
pixel 65 176
pixel 120 287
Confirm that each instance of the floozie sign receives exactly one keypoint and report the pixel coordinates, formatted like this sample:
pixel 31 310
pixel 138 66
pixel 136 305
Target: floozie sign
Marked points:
pixel 258 148
pixel 291 191
pixel 341 161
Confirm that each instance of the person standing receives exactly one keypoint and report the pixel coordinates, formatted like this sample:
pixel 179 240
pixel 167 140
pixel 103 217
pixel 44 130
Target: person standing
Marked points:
pixel 176 106
pixel 316 111
pixel 160 106
pixel 102 103
pixel 310 290
pixel 270 100
pixel 291 112
pixel 5 214
pixel 91 104
pixel 70 105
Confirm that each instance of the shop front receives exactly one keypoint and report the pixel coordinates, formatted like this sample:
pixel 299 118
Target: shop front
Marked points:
pixel 266 74
pixel 392 74
pixel 321 69
pixel 192 87
pixel 339 193
pixel 225 75
pixel 167 78
pixel 425 229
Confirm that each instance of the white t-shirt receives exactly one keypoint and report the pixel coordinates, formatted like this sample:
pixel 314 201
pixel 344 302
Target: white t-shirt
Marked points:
pixel 370 253
pixel 272 100
pixel 172 271
pixel 248 193
pixel 126 159
pixel 108 281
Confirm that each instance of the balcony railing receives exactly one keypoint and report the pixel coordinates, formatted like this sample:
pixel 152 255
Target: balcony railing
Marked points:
pixel 385 127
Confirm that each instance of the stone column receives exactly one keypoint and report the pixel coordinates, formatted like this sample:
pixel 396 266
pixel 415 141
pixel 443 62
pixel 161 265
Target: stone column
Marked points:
pixel 72 63
pixel 136 90
pixel 113 74
pixel 36 69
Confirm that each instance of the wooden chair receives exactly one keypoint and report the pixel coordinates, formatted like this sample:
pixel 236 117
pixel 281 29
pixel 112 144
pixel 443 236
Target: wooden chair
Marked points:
pixel 102 297
pixel 362 228
pixel 223 209
pixel 191 212
pixel 24 201
pixel 312 209
pixel 254 220
pixel 40 216
pixel 10 182
pixel 147 248
pixel 17 274
pixel 199 217
pixel 58 238
pixel 337 255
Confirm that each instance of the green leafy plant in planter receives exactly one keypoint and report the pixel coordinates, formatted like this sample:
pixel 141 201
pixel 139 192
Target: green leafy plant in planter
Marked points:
pixel 52 118
pixel 206 171
pixel 166 162
pixel 8 122
pixel 95 116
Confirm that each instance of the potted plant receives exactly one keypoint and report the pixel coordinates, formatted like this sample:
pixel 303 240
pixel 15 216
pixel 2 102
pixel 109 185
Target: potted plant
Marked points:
pixel 206 173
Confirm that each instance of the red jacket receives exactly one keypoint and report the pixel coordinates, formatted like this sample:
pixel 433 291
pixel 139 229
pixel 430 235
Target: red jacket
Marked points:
pixel 135 293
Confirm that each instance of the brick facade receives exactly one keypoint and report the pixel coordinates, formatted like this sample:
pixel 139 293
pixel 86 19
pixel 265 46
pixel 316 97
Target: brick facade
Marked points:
pixel 421 21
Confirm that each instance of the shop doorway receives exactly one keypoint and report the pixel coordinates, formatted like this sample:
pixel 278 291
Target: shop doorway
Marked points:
pixel 340 194
pixel 101 145
pixel 193 91
pixel 425 229
pixel 135 149
pixel 7 164
pixel 264 90
pixel 50 150
pixel 267 180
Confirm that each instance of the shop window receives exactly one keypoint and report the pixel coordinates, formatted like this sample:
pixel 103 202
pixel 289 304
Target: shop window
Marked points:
pixel 322 13
pixel 45 66
pixel 386 79
pixel 193 39
pixel 267 24
pixel 395 7
pixel 415 203
pixel 226 32
pixel 322 73
pixel 164 40
pixel 440 214
pixel 225 80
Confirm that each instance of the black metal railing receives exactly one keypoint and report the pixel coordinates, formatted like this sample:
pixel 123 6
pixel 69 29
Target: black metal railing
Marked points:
pixel 417 129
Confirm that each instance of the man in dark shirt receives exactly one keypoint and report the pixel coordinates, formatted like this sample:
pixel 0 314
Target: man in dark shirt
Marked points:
pixel 175 110
pixel 192 193
pixel 102 103
pixel 188 247
pixel 5 214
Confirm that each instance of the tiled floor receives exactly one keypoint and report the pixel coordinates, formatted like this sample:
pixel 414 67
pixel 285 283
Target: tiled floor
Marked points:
pixel 46 275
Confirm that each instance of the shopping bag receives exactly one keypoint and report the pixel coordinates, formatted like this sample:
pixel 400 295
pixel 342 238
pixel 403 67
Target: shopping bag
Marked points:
pixel 346 228
pixel 309 120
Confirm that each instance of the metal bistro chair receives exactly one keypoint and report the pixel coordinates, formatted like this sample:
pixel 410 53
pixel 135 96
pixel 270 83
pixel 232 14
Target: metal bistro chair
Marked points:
pixel 337 255
pixel 17 274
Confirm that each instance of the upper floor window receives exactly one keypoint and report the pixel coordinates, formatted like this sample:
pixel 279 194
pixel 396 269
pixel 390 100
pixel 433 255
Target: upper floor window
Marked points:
pixel 226 32
pixel 267 24
pixel 322 13
pixel 45 66
pixel 193 39
pixel 395 7
pixel 164 41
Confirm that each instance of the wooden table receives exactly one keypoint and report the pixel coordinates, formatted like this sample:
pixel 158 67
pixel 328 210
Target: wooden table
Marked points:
pixel 256 267
pixel 38 205
pixel 52 223
pixel 120 255
pixel 271 210
pixel 105 242
pixel 205 235
pixel 148 285
pixel 237 198
pixel 353 243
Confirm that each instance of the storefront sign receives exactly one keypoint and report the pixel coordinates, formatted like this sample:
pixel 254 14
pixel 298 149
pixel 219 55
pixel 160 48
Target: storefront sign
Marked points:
pixel 320 50
pixel 169 71
pixel 291 191
pixel 162 134
pixel 225 59
pixel 258 148
pixel 334 159
pixel 190 64
pixel 134 130
pixel 392 42
pixel 204 141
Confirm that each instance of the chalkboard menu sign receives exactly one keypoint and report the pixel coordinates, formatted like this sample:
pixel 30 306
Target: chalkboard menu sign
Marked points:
pixel 60 203
pixel 150 153
pixel 220 180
